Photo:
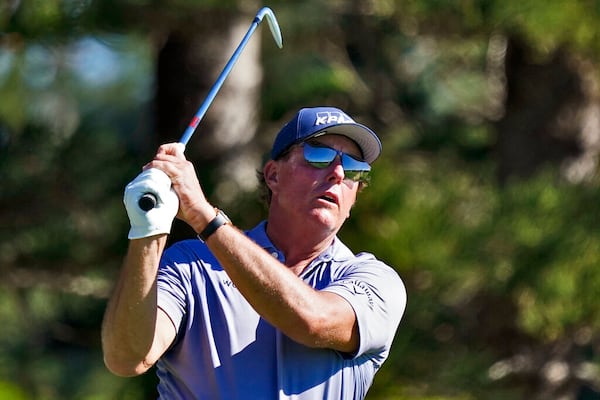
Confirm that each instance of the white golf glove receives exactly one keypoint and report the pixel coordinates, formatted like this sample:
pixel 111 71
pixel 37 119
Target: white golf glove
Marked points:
pixel 159 219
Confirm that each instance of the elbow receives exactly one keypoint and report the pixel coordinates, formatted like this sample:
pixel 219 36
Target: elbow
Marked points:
pixel 117 369
pixel 123 360
pixel 124 367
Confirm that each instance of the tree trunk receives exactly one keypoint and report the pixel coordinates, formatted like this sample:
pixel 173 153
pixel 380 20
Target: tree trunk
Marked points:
pixel 189 62
pixel 552 116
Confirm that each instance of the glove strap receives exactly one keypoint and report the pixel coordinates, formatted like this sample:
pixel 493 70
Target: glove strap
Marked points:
pixel 218 221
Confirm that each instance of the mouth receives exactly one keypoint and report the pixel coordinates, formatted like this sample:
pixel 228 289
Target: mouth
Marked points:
pixel 330 198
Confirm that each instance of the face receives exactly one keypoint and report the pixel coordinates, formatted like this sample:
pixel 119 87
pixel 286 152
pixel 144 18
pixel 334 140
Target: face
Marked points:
pixel 307 194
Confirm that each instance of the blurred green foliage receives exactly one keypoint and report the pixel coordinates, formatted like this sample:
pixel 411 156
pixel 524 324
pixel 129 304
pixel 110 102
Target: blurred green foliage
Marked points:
pixel 490 270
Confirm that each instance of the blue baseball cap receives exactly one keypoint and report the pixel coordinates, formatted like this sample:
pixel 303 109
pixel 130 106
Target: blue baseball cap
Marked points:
pixel 317 121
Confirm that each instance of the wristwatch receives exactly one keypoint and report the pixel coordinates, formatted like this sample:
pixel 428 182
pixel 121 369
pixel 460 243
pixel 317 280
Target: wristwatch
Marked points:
pixel 218 221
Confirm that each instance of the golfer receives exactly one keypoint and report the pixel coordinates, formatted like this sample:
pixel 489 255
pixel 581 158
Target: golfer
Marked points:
pixel 282 311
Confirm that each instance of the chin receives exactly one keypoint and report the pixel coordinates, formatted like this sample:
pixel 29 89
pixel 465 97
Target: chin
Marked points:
pixel 327 219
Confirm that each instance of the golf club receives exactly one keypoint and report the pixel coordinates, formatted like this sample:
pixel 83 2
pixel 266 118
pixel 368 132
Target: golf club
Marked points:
pixel 148 200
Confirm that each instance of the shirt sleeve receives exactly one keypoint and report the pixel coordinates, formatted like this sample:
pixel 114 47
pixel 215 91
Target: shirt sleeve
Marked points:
pixel 173 283
pixel 378 297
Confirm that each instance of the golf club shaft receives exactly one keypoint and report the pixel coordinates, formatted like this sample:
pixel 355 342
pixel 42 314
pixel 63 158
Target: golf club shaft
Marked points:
pixel 148 200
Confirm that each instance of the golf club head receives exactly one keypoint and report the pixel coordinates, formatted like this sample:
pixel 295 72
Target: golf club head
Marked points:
pixel 273 25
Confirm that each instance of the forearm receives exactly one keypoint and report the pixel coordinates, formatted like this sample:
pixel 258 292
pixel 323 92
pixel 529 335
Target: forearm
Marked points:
pixel 311 317
pixel 129 326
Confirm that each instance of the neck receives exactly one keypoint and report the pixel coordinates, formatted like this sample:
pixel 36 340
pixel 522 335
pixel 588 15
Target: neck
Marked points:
pixel 300 246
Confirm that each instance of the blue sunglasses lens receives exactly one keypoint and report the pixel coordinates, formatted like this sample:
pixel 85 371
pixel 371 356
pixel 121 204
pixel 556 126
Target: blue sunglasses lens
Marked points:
pixel 322 157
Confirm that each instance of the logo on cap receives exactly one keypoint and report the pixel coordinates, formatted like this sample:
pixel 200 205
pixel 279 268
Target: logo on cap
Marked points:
pixel 332 117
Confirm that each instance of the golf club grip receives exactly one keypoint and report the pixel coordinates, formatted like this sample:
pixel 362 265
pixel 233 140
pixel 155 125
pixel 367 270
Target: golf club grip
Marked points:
pixel 147 202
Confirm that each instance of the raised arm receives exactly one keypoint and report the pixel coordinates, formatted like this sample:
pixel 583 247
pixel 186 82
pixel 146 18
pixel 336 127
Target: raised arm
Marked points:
pixel 313 318
pixel 135 332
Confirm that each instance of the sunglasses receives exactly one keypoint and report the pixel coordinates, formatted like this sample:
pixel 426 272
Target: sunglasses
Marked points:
pixel 322 157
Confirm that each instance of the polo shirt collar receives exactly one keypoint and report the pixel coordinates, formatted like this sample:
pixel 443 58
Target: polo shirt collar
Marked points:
pixel 336 251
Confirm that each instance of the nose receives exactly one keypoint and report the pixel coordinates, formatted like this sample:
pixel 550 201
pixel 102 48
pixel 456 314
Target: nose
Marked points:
pixel 336 169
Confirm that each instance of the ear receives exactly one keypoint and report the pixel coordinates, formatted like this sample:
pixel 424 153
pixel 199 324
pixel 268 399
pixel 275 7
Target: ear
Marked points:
pixel 271 174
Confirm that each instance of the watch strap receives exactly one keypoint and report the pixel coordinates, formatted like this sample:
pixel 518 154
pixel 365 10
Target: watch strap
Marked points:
pixel 218 221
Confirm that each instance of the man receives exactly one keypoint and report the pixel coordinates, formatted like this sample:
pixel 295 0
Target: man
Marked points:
pixel 283 311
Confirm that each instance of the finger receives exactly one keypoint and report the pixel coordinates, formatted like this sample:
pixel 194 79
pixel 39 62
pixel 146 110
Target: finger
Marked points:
pixel 179 149
pixel 162 149
pixel 173 149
